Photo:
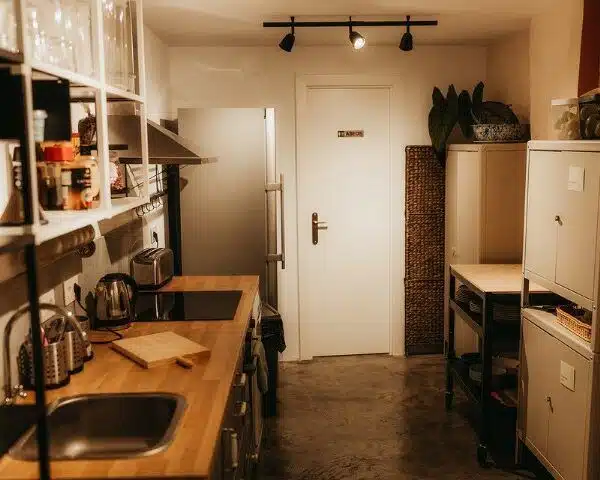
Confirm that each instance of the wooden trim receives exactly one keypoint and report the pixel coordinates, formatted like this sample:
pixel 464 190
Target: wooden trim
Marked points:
pixel 589 63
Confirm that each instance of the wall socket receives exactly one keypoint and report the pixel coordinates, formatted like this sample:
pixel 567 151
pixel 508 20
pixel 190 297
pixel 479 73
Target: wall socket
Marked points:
pixel 69 289
pixel 154 236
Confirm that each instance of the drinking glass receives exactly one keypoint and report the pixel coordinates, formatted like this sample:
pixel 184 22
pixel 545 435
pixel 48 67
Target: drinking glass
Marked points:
pixel 8 26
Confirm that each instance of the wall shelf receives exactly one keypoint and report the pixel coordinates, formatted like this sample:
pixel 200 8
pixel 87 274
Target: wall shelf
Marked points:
pixel 117 94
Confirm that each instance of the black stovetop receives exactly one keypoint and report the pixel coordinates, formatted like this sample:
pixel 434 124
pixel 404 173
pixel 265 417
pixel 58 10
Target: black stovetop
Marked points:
pixel 187 306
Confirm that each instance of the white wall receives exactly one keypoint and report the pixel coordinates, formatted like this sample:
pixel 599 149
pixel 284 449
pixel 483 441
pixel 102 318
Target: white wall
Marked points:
pixel 265 77
pixel 555 53
pixel 508 73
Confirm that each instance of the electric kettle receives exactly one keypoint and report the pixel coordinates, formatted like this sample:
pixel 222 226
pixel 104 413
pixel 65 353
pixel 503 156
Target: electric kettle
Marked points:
pixel 115 297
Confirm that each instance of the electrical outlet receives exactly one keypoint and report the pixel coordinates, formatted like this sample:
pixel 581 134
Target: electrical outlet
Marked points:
pixel 154 236
pixel 69 289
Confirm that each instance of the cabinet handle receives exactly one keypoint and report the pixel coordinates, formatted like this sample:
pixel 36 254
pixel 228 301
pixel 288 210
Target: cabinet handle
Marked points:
pixel 234 451
pixel 549 401
pixel 558 220
pixel 243 409
pixel 242 382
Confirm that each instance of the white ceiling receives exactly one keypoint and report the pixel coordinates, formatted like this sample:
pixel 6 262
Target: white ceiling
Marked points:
pixel 239 22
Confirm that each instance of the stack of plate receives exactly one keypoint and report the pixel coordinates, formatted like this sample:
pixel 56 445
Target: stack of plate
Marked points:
pixel 464 295
pixel 506 313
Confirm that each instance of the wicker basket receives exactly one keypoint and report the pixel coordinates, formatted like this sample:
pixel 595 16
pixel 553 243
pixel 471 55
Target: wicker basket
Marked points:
pixel 573 320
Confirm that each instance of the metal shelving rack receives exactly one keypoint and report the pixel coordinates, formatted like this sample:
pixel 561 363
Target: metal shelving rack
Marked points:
pixel 23 71
pixel 491 284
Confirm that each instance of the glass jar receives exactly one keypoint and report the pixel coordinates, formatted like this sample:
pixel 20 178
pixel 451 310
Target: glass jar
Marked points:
pixel 57 157
pixel 565 119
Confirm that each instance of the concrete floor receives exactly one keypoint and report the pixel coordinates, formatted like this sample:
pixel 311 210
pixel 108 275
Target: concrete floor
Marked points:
pixel 370 417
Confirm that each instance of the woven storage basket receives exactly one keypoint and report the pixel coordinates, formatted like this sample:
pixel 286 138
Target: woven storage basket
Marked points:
pixel 574 322
pixel 424 252
pixel 425 182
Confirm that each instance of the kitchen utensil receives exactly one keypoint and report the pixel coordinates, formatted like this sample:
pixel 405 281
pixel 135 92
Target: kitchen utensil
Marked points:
pixel 152 267
pixel 72 330
pixel 115 297
pixel 56 361
pixel 158 349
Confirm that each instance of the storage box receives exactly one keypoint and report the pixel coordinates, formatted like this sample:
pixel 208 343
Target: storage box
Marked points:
pixel 565 119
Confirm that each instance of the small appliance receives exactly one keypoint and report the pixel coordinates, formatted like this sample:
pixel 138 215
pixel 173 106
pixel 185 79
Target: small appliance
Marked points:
pixel 187 306
pixel 152 268
pixel 115 299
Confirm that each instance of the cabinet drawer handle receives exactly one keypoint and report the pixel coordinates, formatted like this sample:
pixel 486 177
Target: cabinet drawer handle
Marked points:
pixel 243 409
pixel 242 382
pixel 234 451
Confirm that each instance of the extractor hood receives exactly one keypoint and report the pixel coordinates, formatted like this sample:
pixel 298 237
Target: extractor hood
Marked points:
pixel 164 146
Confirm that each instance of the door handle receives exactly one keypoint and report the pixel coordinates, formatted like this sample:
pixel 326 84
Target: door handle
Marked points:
pixel 316 226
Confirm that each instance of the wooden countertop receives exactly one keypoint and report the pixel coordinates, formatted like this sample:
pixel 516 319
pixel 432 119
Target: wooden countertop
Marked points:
pixel 492 278
pixel 206 388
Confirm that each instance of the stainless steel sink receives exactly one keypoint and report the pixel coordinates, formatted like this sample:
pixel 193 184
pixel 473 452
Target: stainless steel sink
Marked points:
pixel 107 426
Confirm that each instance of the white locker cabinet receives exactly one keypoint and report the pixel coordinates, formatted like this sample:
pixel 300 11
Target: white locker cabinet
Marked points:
pixel 562 218
pixel 561 222
pixel 556 399
pixel 485 198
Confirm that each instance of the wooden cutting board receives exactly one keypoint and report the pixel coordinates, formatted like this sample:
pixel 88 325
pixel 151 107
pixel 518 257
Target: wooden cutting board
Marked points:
pixel 158 349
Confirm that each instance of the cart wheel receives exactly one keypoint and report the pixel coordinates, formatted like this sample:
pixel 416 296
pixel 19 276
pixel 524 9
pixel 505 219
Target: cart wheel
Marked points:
pixel 449 398
pixel 482 456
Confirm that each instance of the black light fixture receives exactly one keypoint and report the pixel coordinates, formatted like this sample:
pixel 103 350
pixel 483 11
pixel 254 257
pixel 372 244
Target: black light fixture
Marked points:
pixel 406 44
pixel 287 44
pixel 356 39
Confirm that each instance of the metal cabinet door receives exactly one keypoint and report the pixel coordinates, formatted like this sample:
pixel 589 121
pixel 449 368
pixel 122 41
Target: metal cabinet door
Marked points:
pixel 535 386
pixel 543 205
pixel 578 192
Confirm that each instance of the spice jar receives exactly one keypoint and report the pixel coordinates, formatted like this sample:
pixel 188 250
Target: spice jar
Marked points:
pixel 56 158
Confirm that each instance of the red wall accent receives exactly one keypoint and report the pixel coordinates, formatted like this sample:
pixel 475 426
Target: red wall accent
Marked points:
pixel 589 68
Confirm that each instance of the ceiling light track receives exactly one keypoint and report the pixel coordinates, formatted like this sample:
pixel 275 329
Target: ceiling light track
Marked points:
pixel 353 23
pixel 356 39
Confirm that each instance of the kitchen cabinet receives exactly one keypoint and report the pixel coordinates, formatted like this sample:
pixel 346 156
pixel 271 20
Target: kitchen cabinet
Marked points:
pixel 242 427
pixel 556 402
pixel 485 195
pixel 561 223
pixel 562 218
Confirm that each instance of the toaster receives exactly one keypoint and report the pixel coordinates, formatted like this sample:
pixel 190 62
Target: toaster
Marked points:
pixel 152 267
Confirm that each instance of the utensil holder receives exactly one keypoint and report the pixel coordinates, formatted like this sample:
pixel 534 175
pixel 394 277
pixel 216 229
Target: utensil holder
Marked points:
pixel 56 373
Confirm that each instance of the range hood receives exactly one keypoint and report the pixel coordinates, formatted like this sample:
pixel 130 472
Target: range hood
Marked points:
pixel 164 146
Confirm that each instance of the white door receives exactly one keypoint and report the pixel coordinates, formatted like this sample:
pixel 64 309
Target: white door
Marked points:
pixel 345 277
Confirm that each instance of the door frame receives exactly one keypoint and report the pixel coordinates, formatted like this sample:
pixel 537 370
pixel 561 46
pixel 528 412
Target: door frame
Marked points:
pixel 397 195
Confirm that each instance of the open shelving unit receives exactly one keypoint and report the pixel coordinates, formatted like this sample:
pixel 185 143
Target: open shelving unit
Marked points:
pixel 30 81
pixel 490 284
pixel 95 89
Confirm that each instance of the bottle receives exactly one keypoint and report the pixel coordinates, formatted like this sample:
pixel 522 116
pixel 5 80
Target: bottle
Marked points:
pixel 88 160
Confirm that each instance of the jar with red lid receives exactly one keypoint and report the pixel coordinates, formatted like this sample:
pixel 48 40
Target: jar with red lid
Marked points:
pixel 55 158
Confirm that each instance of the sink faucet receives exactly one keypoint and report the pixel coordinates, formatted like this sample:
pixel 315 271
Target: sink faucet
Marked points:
pixel 12 391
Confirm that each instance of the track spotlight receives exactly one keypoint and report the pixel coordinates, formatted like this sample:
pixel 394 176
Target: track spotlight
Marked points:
pixel 356 39
pixel 287 44
pixel 406 44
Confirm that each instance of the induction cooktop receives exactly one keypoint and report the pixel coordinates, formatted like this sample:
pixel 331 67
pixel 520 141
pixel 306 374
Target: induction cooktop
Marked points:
pixel 187 306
